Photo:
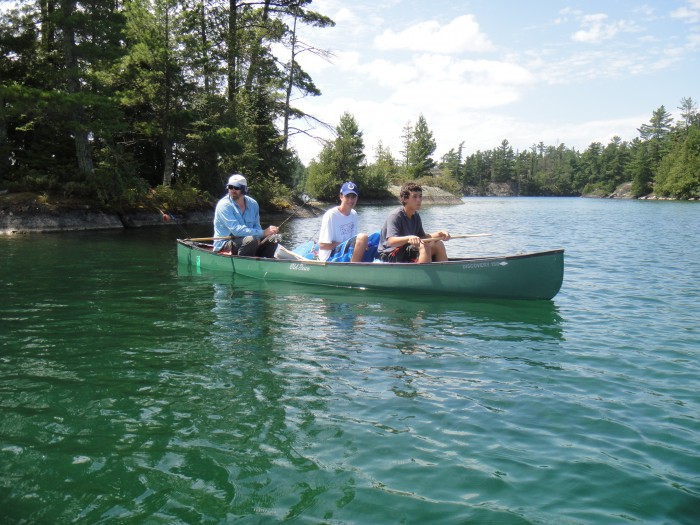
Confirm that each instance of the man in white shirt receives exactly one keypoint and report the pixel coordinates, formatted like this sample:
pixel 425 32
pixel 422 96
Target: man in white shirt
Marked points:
pixel 339 224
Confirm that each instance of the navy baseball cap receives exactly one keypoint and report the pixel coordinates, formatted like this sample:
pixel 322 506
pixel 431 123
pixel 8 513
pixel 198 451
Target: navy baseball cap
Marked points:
pixel 349 187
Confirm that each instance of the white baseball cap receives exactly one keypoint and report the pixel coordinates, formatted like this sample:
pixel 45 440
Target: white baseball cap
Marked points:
pixel 237 180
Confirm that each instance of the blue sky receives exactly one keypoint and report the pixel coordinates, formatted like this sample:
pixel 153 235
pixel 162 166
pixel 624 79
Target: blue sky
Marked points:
pixel 486 70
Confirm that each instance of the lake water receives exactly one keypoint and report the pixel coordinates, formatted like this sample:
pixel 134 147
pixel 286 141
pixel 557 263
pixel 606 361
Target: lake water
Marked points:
pixel 132 392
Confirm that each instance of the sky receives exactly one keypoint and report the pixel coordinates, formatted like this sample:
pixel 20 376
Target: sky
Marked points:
pixel 482 71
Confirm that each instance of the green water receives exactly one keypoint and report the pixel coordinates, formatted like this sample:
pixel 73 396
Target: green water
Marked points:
pixel 134 392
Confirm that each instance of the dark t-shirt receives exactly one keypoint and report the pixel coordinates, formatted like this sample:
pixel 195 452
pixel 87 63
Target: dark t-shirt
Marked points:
pixel 397 224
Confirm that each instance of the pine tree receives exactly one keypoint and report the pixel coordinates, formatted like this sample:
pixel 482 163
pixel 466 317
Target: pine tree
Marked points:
pixel 340 160
pixel 420 150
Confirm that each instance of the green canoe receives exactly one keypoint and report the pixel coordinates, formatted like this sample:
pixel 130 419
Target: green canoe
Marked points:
pixel 523 276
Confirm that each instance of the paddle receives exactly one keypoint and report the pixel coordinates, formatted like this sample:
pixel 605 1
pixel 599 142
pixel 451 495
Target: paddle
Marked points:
pixel 209 239
pixel 198 239
pixel 229 238
pixel 432 239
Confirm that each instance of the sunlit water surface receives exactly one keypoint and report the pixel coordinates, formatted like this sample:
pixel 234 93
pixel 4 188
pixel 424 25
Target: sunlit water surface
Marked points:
pixel 135 391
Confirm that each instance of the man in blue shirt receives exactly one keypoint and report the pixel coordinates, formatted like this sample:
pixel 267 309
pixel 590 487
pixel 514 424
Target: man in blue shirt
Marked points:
pixel 238 216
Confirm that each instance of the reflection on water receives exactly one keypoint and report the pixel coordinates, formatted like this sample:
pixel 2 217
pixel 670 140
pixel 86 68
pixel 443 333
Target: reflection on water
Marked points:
pixel 339 308
pixel 299 370
pixel 132 393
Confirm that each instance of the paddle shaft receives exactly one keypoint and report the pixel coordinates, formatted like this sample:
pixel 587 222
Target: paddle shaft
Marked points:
pixel 198 239
pixel 433 239
pixel 294 212
pixel 429 239
pixel 209 239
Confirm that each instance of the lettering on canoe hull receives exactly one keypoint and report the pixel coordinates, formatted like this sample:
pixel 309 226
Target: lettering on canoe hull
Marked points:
pixel 490 264
pixel 299 267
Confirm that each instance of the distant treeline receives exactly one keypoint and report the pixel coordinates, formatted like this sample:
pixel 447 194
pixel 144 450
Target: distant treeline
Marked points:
pixel 105 100
pixel 664 159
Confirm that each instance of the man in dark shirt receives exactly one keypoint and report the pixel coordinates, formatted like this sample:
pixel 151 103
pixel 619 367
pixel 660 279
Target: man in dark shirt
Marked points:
pixel 402 236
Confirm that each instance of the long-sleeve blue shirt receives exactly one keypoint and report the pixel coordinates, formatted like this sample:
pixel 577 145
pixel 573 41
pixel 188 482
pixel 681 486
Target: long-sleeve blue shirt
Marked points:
pixel 229 221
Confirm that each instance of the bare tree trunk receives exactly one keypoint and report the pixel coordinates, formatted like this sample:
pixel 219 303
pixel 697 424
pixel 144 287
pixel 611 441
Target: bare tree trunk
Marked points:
pixel 4 152
pixel 80 132
pixel 166 140
pixel 256 51
pixel 168 160
pixel 47 26
pixel 203 30
pixel 232 50
pixel 290 81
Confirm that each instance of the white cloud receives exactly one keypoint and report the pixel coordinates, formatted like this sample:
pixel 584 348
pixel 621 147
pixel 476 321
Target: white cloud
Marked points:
pixel 596 28
pixel 533 90
pixel 459 35
pixel 689 13
pixel 604 64
pixel 566 13
pixel 345 17
pixel 390 73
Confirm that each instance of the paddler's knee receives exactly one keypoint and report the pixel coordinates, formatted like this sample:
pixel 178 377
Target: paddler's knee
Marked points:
pixel 361 239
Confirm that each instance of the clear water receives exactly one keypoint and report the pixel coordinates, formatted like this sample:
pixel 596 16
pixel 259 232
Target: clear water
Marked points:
pixel 133 392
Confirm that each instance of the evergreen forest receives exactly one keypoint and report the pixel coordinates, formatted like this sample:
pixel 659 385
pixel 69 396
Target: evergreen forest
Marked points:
pixel 108 101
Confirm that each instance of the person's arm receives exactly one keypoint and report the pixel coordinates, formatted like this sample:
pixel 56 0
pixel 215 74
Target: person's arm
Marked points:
pixel 232 220
pixel 252 205
pixel 404 239
pixel 397 236
pixel 325 240
pixel 226 222
pixel 442 234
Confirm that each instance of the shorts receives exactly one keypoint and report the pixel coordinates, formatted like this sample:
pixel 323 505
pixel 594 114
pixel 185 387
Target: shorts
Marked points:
pixel 402 254
pixel 343 247
pixel 251 247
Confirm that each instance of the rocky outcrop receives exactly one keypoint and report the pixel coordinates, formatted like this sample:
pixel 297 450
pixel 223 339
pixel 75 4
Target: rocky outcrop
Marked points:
pixel 492 189
pixel 623 191
pixel 431 195
pixel 11 222
pixel 73 220
pixel 32 215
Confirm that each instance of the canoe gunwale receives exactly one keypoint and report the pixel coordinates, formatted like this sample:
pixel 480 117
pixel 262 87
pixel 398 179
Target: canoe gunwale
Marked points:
pixel 532 276
pixel 206 248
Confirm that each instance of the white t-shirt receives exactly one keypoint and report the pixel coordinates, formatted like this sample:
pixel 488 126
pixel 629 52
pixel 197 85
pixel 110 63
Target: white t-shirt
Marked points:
pixel 336 227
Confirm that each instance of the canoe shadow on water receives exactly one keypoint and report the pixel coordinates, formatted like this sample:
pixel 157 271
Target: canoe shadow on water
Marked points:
pixel 539 315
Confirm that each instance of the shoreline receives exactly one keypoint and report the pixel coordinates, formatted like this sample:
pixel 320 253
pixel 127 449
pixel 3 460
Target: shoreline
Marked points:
pixel 34 216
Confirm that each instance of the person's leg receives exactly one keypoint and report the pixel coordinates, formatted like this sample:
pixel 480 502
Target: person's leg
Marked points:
pixel 233 246
pixel 360 247
pixel 439 251
pixel 247 246
pixel 266 249
pixel 426 253
pixel 229 246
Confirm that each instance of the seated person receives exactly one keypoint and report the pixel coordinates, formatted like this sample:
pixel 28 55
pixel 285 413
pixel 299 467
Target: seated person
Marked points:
pixel 238 216
pixel 402 237
pixel 339 224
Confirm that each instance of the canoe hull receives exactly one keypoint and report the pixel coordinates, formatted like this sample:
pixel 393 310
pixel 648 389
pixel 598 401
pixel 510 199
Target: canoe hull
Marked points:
pixel 523 276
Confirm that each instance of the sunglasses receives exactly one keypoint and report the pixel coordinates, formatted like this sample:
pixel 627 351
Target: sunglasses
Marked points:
pixel 239 188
